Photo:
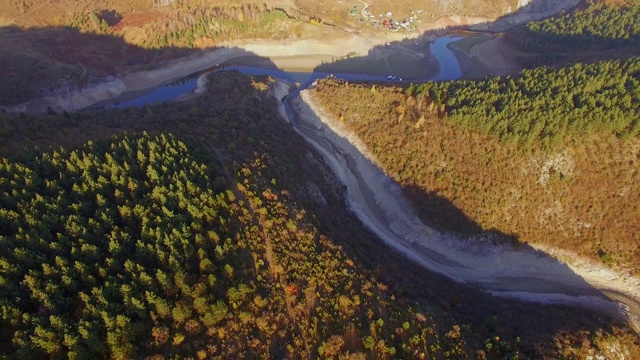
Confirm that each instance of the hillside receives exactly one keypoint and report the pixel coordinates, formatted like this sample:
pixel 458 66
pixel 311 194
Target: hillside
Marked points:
pixel 548 157
pixel 192 229
pixel 595 31
pixel 513 154
pixel 52 47
pixel 198 247
pixel 206 227
pixel 30 12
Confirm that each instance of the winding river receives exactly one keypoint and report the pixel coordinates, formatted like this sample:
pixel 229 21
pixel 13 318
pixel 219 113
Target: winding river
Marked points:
pixel 449 70
pixel 519 272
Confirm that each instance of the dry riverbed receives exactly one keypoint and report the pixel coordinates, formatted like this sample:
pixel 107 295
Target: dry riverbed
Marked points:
pixel 529 273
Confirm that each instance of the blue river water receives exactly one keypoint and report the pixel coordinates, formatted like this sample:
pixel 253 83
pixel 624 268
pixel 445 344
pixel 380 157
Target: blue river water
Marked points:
pixel 449 70
pixel 449 66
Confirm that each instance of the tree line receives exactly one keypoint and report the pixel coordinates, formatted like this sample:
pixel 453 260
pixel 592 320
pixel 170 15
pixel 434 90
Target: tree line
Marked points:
pixel 598 26
pixel 211 243
pixel 138 246
pixel 544 106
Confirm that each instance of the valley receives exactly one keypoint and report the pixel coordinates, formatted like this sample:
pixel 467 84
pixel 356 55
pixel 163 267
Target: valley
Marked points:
pixel 365 102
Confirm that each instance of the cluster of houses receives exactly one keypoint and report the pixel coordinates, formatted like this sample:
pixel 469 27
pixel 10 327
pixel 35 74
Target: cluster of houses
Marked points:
pixel 387 21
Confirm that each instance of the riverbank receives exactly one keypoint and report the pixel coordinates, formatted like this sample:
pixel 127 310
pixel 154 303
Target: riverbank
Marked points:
pixel 402 55
pixel 471 67
pixel 353 53
pixel 530 273
pixel 482 54
pixel 408 58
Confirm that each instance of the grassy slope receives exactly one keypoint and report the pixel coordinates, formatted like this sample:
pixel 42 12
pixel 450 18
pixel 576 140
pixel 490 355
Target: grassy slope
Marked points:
pixel 36 12
pixel 238 137
pixel 581 196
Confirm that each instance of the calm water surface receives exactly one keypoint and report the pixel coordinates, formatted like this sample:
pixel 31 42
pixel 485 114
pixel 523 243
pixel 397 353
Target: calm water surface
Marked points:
pixel 449 70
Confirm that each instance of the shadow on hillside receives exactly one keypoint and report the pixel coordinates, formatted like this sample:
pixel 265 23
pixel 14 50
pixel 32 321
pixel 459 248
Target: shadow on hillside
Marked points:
pixel 239 141
pixel 532 10
pixel 498 254
pixel 85 58
pixel 409 58
pixel 111 17
pixel 545 48
pixel 51 60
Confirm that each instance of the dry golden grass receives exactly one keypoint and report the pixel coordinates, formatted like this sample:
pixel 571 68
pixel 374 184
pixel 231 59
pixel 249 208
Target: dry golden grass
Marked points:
pixel 583 197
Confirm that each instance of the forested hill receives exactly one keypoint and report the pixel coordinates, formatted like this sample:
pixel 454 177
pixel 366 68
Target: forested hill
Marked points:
pixel 124 249
pixel 545 108
pixel 596 30
pixel 598 25
pixel 548 157
pixel 193 230
pixel 141 245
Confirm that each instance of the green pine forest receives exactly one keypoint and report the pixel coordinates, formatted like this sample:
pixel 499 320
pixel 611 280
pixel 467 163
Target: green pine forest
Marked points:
pixel 125 248
pixel 191 230
pixel 598 25
pixel 545 107
pixel 208 229
pixel 595 30
pixel 549 156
